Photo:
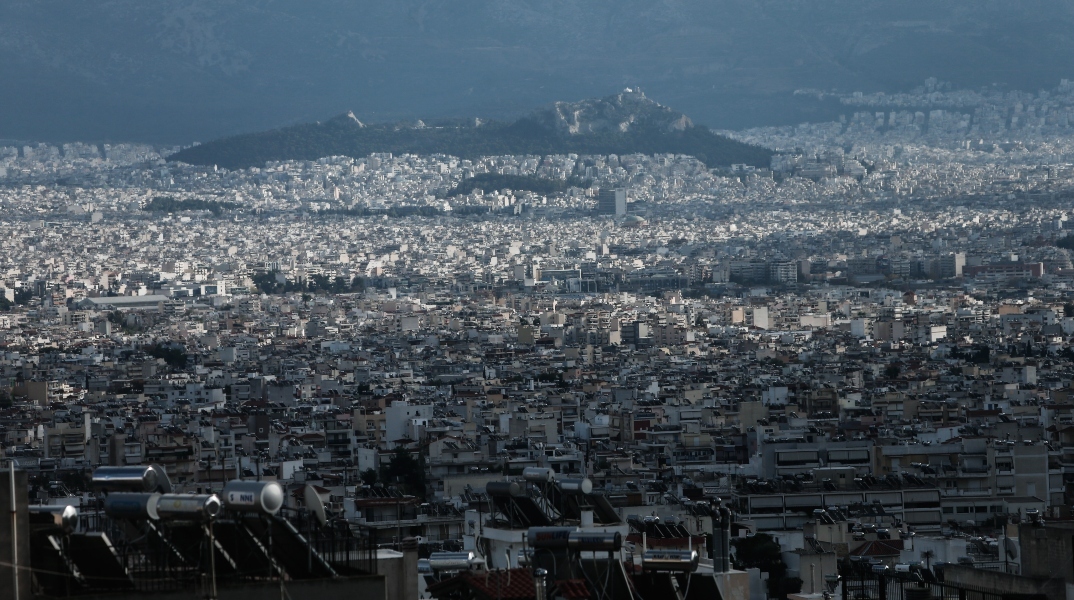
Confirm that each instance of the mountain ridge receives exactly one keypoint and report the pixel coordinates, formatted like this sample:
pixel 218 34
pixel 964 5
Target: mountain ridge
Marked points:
pixel 624 123
pixel 619 112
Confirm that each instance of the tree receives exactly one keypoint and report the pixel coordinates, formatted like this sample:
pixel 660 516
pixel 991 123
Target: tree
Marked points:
pixel 927 556
pixel 267 283
pixel 320 283
pixel 167 204
pixel 175 357
pixel 404 469
pixel 762 552
pixel 369 476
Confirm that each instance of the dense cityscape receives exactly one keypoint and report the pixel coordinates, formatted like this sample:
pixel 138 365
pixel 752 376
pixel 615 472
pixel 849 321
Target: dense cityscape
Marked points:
pixel 853 367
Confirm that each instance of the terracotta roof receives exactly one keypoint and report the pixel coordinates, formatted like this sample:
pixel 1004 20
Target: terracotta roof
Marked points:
pixel 571 589
pixel 512 584
pixel 879 548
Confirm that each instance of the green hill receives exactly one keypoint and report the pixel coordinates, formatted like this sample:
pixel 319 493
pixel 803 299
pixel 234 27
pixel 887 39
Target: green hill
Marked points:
pixel 625 124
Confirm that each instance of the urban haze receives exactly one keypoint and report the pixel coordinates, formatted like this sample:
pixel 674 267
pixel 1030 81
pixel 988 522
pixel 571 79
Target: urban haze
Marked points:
pixel 734 300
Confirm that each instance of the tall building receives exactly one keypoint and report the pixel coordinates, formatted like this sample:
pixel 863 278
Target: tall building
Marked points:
pixel 951 265
pixel 749 271
pixel 611 202
pixel 783 271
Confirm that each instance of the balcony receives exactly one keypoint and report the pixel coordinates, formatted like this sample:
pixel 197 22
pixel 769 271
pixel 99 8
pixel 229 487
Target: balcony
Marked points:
pixel 964 493
pixel 973 471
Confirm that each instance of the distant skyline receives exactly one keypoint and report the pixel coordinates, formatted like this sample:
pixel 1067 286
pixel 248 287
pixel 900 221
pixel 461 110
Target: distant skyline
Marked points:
pixel 191 70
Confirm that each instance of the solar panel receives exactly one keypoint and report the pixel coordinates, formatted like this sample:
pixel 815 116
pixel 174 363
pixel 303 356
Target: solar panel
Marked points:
pixel 99 562
pixel 53 570
pixel 291 550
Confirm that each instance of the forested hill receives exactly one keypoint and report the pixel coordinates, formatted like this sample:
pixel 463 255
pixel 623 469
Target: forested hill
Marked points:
pixel 623 124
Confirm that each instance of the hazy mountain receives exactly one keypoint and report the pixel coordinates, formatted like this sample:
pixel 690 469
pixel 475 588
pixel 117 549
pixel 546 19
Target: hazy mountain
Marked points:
pixel 625 123
pixel 180 70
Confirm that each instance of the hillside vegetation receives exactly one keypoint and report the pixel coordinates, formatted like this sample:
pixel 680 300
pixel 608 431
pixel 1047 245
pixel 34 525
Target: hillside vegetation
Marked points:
pixel 623 124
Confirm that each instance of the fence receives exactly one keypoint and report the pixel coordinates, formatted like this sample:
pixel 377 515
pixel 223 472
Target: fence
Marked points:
pixel 864 581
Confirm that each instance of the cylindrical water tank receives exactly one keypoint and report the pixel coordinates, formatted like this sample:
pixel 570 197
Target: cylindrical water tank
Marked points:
pixel 253 496
pixel 538 474
pixel 450 561
pixel 586 520
pixel 132 506
pixel 595 541
pixel 682 561
pixel 188 507
pixel 64 517
pixel 549 537
pixel 139 478
pixel 576 486
pixel 503 488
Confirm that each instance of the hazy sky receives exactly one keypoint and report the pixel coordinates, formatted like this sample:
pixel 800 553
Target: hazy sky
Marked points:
pixel 184 70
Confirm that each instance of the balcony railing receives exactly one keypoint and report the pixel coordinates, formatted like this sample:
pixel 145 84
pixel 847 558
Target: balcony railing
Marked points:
pixel 953 492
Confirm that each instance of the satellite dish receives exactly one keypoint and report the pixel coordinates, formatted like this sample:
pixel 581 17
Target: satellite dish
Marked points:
pixel 1011 548
pixel 313 502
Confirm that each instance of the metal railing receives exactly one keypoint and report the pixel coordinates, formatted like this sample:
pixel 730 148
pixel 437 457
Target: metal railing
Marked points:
pixel 865 581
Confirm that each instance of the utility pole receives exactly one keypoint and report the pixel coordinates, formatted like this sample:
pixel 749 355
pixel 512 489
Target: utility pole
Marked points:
pixel 212 562
pixel 14 531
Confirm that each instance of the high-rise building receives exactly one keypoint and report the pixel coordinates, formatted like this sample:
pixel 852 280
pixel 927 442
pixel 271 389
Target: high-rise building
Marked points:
pixel 783 271
pixel 950 265
pixel 611 202
pixel 749 271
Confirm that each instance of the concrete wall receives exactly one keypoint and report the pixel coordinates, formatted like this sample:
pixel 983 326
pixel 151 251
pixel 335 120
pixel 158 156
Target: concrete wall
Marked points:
pixel 1003 583
pixel 733 585
pixel 1047 550
pixel 7 590
pixel 400 571
pixel 811 569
